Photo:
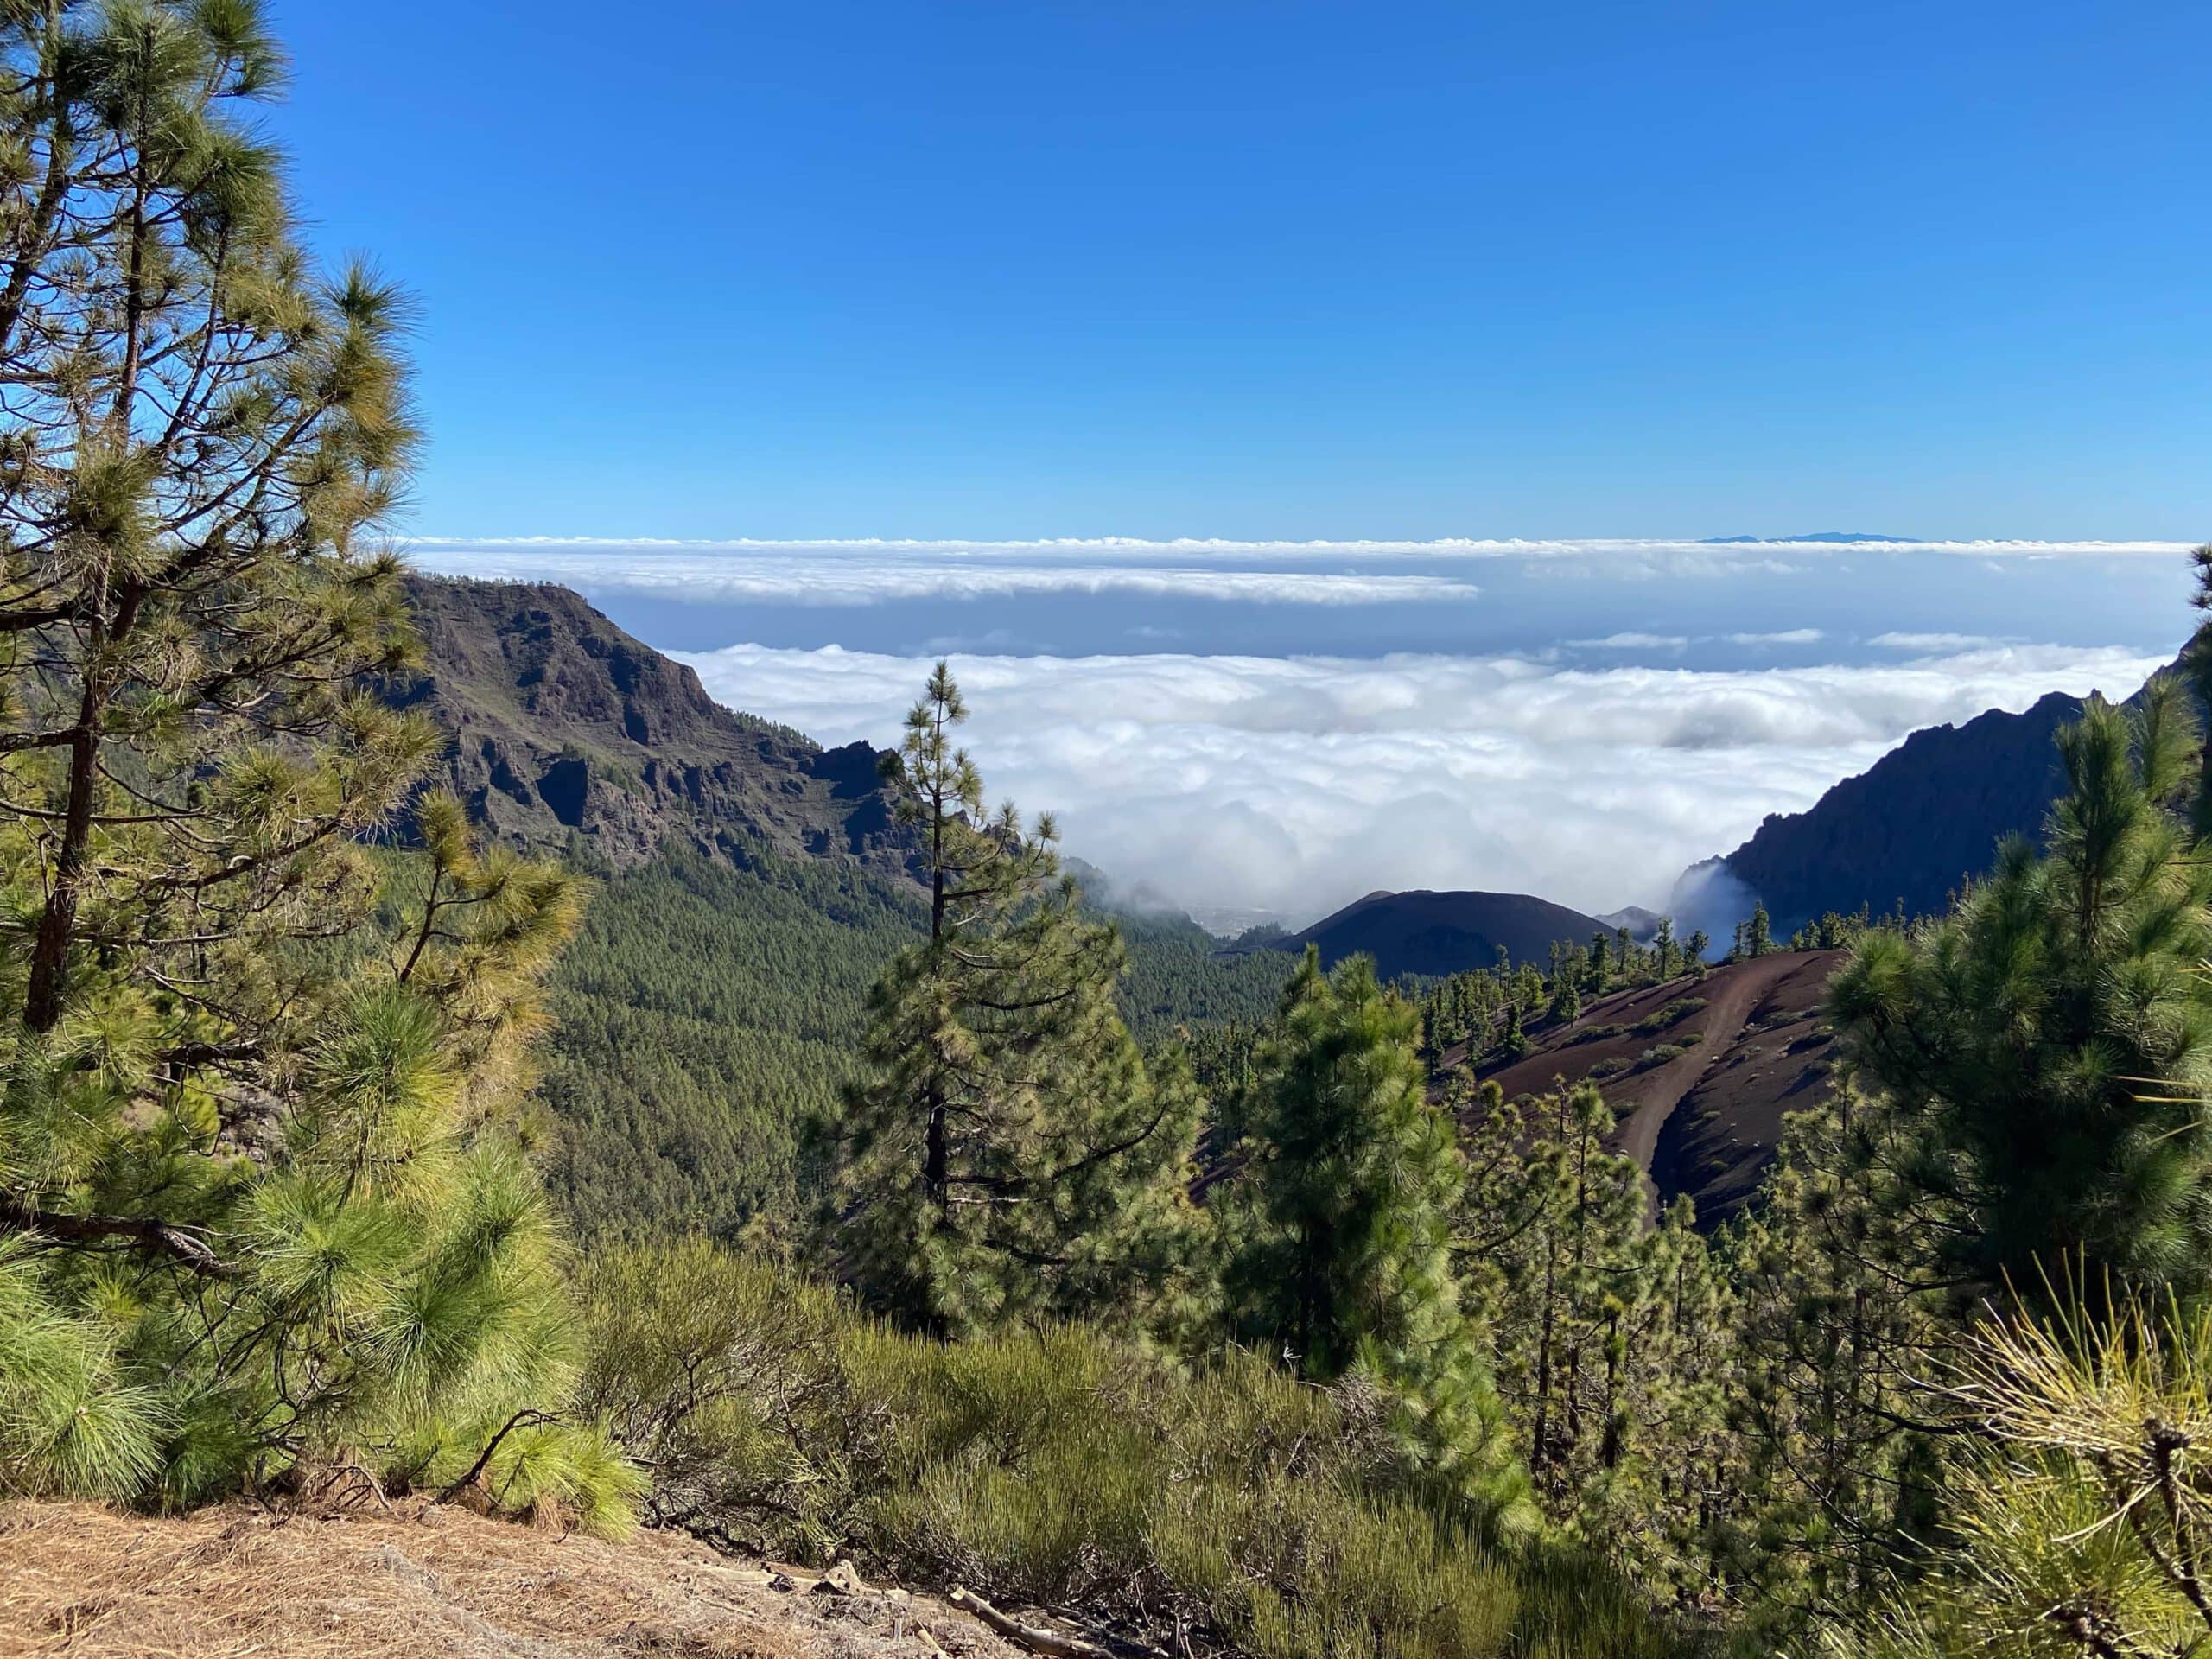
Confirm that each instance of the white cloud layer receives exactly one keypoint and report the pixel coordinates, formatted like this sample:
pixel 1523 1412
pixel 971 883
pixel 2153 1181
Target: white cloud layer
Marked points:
pixel 1297 783
pixel 1932 642
pixel 788 579
pixel 1631 640
pixel 1119 549
pixel 1786 637
pixel 866 572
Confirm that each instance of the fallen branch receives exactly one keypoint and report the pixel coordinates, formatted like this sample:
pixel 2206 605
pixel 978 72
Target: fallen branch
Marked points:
pixel 1059 1644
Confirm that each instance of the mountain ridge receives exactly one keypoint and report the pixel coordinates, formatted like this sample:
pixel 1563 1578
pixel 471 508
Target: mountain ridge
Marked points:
pixel 569 735
pixel 1911 830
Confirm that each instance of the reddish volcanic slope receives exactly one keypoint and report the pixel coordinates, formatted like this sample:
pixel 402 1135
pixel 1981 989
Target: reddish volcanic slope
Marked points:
pixel 1703 1121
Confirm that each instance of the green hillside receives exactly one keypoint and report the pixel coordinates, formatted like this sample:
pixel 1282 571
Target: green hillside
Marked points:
pixel 706 1011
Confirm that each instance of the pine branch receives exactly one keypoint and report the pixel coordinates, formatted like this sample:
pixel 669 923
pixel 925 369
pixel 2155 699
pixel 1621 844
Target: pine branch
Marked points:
pixel 182 1244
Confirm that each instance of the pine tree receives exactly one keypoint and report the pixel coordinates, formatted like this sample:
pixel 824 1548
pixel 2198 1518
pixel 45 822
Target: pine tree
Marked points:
pixel 1839 1293
pixel 267 1250
pixel 2051 1040
pixel 1515 1043
pixel 1566 999
pixel 1694 949
pixel 1347 1268
pixel 1009 1154
pixel 264 1204
pixel 1759 932
pixel 1608 1334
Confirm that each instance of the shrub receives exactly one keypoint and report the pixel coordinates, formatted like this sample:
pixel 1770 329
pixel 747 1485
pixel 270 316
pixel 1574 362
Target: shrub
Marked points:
pixel 1674 1012
pixel 1061 1467
pixel 1660 1053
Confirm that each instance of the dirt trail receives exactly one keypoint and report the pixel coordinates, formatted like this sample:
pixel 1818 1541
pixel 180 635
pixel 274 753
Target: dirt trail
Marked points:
pixel 420 1580
pixel 1732 1084
pixel 1729 1006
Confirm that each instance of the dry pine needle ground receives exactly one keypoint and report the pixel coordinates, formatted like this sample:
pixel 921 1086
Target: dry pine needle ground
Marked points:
pixel 418 1580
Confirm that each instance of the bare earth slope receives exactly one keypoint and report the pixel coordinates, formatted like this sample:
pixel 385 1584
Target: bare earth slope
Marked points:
pixel 1703 1121
pixel 420 1581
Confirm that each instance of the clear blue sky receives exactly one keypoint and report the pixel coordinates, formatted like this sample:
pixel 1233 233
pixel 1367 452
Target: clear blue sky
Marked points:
pixel 1085 266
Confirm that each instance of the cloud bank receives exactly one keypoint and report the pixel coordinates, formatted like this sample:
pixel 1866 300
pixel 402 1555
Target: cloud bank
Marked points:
pixel 788 579
pixel 1296 783
pixel 1120 550
pixel 1327 573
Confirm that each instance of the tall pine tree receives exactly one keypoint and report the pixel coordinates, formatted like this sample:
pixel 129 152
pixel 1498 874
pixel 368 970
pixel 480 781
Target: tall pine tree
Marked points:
pixel 1347 1266
pixel 2051 1041
pixel 264 1210
pixel 1009 1154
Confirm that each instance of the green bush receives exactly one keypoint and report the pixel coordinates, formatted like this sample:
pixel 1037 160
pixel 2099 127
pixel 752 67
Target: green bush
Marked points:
pixel 1677 1011
pixel 1660 1053
pixel 1060 1467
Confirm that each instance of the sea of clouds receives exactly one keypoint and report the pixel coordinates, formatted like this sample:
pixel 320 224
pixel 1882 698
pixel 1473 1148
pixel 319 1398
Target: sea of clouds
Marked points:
pixel 1283 726
pixel 1294 785
pixel 862 571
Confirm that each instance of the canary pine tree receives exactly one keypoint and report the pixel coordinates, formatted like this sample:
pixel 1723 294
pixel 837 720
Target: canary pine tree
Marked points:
pixel 263 1203
pixel 2051 1041
pixel 1009 1154
pixel 1608 1333
pixel 1346 1265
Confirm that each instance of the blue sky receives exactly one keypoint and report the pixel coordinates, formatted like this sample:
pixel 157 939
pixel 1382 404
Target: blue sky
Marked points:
pixel 1283 271
pixel 1187 372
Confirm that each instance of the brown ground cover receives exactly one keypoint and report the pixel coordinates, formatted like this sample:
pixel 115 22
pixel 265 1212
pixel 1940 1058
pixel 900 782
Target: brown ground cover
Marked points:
pixel 419 1579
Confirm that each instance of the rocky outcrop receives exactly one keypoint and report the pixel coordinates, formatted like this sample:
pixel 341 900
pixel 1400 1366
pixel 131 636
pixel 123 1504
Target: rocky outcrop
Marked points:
pixel 569 734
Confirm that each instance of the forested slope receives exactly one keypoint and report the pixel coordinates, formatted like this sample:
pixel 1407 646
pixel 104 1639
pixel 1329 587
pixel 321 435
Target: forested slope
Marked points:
pixel 751 886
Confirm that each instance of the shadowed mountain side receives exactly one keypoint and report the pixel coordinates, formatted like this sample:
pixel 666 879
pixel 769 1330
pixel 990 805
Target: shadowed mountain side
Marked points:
pixel 568 732
pixel 1425 932
pixel 1699 1074
pixel 1914 827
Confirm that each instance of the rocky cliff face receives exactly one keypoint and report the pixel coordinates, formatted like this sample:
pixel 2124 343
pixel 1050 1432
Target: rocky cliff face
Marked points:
pixel 567 733
pixel 1915 826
